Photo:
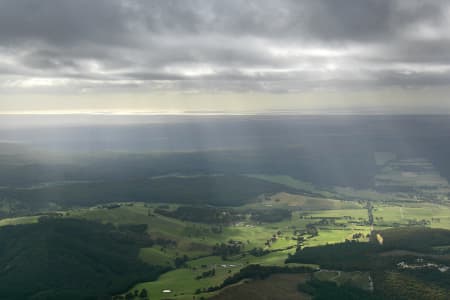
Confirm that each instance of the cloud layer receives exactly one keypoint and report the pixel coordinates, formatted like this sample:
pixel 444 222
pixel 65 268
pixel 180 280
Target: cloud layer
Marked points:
pixel 264 46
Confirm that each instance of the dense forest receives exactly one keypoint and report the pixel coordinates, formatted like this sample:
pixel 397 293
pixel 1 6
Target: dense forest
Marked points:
pixel 213 190
pixel 70 259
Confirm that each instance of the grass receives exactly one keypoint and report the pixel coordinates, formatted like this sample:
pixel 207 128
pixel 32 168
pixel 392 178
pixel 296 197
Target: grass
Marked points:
pixel 196 240
pixel 158 226
pixel 154 255
pixel 438 215
pixel 19 221
pixel 293 201
pixel 337 192
pixel 331 236
pixel 355 213
pixel 416 177
pixel 182 281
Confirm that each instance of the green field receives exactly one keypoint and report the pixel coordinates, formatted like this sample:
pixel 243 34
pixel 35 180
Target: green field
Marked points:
pixel 335 217
pixel 18 221
pixel 196 240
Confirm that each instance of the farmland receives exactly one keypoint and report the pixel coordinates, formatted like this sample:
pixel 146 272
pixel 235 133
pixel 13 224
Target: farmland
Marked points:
pixel 330 216
pixel 197 265
pixel 190 249
pixel 196 240
pixel 192 243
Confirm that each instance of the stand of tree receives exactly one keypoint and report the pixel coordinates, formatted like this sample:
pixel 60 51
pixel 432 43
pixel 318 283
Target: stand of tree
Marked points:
pixel 70 259
pixel 202 214
pixel 270 215
pixel 192 191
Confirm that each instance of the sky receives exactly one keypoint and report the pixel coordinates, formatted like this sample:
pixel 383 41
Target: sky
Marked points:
pixel 132 56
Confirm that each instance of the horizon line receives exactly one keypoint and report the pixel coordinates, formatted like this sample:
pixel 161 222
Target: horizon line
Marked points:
pixel 220 113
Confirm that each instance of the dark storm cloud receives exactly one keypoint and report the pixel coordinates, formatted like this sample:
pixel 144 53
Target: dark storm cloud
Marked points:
pixel 61 22
pixel 224 45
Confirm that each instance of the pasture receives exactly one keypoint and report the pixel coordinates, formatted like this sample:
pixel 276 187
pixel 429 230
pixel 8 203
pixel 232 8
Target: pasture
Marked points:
pixel 334 220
